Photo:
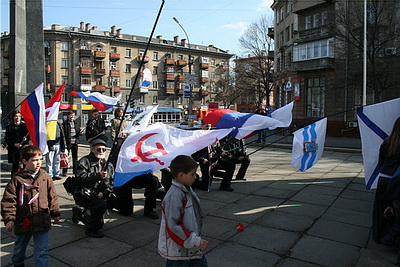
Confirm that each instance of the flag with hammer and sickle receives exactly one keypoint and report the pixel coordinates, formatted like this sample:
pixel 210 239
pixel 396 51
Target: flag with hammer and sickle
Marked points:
pixel 155 147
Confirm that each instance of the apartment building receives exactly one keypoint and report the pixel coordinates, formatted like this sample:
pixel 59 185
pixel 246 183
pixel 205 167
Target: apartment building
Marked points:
pixel 88 59
pixel 321 72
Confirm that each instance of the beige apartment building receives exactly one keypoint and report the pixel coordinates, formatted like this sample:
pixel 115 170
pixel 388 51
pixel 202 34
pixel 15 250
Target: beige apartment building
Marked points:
pixel 321 72
pixel 89 59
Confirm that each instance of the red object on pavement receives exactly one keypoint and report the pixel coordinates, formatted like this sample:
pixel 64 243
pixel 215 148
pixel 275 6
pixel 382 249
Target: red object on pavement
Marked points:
pixel 239 227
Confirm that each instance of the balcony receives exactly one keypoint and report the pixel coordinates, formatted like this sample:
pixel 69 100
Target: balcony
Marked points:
pixel 315 64
pixel 144 90
pixel 203 79
pixel 100 88
pixel 170 76
pixel 6 54
pixel 116 89
pixel 86 87
pixel 204 65
pixel 180 78
pixel 114 56
pixel 314 34
pixel 170 91
pixel 6 71
pixel 85 53
pixel 146 59
pixel 47 68
pixel 99 55
pixel 169 61
pixel 181 63
pixel 86 71
pixel 99 72
pixel 179 91
pixel 114 72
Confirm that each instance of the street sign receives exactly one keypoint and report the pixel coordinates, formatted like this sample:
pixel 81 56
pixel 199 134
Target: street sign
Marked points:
pixel 186 90
pixel 192 78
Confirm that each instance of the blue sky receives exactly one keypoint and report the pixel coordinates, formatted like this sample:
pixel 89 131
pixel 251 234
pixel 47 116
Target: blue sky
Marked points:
pixel 217 22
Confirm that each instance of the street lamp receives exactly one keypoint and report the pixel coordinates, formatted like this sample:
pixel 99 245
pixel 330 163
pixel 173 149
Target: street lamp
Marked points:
pixel 190 66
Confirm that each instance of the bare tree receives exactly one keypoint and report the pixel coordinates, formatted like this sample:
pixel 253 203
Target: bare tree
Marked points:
pixel 383 33
pixel 254 72
pixel 227 92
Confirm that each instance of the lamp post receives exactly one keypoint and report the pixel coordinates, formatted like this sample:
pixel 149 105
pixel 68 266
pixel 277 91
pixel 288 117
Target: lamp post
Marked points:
pixel 190 66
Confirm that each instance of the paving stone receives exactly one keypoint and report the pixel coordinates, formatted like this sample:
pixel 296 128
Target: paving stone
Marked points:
pixel 266 238
pixel 223 196
pixel 314 198
pixel 219 227
pixel 349 216
pixel 325 252
pixel 300 208
pixel 96 251
pixel 208 206
pixel 296 263
pixel 285 221
pixel 341 232
pixel 358 195
pixel 274 192
pixel 138 257
pixel 370 257
pixel 353 204
pixel 289 185
pixel 235 256
pixel 320 188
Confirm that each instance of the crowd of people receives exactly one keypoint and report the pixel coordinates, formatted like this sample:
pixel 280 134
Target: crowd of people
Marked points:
pixel 91 184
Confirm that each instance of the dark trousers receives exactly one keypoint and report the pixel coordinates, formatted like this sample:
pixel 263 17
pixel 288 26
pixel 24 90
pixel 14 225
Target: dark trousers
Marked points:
pixel 203 182
pixel 74 150
pixel 124 201
pixel 15 159
pixel 115 151
pixel 97 208
pixel 244 165
pixel 228 167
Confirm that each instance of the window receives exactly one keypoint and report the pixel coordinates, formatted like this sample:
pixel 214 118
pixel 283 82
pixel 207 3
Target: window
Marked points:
pixel 308 22
pixel 128 52
pixel 212 63
pixel 85 63
pixel 141 53
pixel 317 20
pixel 324 18
pixel 155 69
pixel 47 44
pixel 287 31
pixel 113 65
pixel 315 97
pixel 64 79
pixel 128 68
pixel 64 46
pixel 155 100
pixel 64 63
pixel 180 57
pixel 281 14
pixel 86 80
pixel 155 84
pixel 180 98
pixel 113 49
pixel 288 7
pixel 128 83
pixel 314 50
pixel 99 48
pixel 155 55
pixel 46 61
pixel 99 81
pixel 141 99
pixel 170 70
pixel 113 81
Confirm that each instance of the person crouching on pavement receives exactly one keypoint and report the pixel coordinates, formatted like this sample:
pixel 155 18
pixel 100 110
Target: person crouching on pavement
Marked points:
pixel 29 200
pixel 180 241
pixel 93 182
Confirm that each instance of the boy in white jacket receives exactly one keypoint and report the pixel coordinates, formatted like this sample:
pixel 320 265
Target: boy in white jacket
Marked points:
pixel 179 240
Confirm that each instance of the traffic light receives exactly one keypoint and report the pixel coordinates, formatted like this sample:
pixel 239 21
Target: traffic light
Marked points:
pixel 132 103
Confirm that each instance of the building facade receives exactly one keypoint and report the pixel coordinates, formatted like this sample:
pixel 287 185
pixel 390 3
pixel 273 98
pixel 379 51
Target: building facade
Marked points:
pixel 88 59
pixel 319 66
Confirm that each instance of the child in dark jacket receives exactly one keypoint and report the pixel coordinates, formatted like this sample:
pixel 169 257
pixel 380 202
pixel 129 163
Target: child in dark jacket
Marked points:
pixel 29 200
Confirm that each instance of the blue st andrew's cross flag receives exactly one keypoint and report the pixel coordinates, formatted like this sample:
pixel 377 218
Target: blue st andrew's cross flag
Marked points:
pixel 308 145
pixel 375 123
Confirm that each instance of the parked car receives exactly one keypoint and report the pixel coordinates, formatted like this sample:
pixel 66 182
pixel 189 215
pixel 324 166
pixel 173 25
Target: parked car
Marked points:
pixel 185 125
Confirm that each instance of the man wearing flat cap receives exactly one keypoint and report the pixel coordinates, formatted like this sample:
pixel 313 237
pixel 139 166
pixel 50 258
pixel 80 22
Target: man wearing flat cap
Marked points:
pixel 93 179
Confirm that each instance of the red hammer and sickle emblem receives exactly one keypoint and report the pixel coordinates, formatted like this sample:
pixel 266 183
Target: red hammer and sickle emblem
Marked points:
pixel 144 156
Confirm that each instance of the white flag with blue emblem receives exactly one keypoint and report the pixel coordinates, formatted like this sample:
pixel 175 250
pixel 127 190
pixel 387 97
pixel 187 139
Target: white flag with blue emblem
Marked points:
pixel 308 145
pixel 375 123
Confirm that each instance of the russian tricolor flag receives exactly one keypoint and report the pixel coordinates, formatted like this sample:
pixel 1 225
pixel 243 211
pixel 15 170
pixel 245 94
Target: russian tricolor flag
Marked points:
pixel 98 100
pixel 33 111
pixel 247 123
pixel 52 110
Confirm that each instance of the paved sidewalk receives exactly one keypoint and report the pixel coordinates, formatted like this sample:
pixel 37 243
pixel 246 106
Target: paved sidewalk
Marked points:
pixel 318 218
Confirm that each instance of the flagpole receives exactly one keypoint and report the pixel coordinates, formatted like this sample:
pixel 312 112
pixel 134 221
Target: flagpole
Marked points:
pixel 134 84
pixel 364 100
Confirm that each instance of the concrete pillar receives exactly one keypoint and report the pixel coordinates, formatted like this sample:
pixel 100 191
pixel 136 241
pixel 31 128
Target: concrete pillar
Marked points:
pixel 26 49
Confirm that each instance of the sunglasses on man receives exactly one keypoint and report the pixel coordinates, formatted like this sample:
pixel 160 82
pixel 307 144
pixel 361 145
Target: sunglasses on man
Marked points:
pixel 100 149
